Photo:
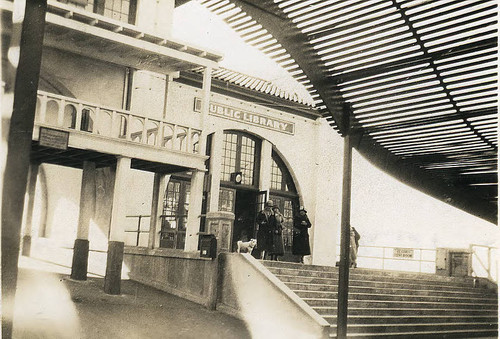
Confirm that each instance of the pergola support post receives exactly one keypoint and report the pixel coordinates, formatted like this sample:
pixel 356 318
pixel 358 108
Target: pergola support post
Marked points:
pixel 343 288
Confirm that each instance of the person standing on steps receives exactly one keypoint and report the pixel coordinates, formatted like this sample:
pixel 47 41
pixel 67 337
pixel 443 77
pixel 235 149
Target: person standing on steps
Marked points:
pixel 353 248
pixel 278 247
pixel 266 223
pixel 300 245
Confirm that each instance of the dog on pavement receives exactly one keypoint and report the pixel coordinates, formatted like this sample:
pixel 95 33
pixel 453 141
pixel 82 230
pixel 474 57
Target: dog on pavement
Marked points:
pixel 246 246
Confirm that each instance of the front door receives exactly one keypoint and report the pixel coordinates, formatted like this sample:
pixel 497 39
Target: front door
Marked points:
pixel 244 216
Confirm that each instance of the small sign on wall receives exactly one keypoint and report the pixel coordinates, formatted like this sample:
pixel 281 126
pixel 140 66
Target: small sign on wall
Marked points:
pixel 53 138
pixel 406 253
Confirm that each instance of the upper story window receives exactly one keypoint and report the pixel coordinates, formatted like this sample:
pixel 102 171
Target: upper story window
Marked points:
pixel 121 10
pixel 241 154
pixel 281 179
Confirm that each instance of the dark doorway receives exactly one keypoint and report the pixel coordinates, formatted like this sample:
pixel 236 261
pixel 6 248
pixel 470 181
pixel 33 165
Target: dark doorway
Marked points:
pixel 244 216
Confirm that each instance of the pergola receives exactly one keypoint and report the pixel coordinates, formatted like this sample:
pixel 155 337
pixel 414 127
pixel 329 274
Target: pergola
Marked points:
pixel 414 82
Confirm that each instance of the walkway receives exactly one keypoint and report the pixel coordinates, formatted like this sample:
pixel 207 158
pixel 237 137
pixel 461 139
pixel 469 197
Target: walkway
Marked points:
pixel 50 305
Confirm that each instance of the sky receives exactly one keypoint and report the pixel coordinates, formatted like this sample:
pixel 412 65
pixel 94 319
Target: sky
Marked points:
pixel 398 215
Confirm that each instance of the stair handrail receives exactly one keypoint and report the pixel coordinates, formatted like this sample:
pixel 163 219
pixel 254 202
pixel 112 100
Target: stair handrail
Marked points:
pixel 489 265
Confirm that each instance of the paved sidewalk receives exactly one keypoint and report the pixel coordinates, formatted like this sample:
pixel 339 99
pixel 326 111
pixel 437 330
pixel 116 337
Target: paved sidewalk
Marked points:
pixel 50 305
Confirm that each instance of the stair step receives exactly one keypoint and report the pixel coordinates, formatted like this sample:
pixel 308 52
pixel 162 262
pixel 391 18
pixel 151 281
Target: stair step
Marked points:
pixel 436 334
pixel 396 297
pixel 430 291
pixel 419 319
pixel 368 283
pixel 391 304
pixel 395 327
pixel 313 302
pixel 437 280
pixel 365 272
pixel 394 311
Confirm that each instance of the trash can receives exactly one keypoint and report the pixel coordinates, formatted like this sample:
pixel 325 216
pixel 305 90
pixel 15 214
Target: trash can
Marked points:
pixel 208 246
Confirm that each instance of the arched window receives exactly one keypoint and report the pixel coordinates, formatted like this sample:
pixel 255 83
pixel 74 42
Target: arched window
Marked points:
pixel 284 195
pixel 241 154
pixel 281 179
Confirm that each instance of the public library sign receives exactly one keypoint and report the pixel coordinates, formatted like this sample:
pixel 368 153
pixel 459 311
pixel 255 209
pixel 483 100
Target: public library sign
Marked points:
pixel 261 120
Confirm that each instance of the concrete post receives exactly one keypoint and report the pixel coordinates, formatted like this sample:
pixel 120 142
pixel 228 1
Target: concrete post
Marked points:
pixel 28 227
pixel 343 288
pixel 207 83
pixel 112 279
pixel 159 185
pixel 265 166
pixel 215 170
pixel 27 34
pixel 79 265
pixel 194 213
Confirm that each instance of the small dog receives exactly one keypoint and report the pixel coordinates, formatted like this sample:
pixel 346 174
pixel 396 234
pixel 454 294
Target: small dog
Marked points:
pixel 247 246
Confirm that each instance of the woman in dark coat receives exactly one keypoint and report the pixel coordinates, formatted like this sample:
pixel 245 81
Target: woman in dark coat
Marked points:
pixel 278 247
pixel 266 223
pixel 300 244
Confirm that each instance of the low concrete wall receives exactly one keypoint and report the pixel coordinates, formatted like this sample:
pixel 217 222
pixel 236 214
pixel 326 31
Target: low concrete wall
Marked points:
pixel 180 273
pixel 270 309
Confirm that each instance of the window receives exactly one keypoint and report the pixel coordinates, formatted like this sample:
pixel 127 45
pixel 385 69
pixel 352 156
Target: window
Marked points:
pixel 281 179
pixel 226 200
pixel 175 211
pixel 121 10
pixel 240 153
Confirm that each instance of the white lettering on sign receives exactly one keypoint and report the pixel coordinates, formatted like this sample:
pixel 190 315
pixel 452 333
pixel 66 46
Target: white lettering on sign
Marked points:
pixel 403 253
pixel 251 118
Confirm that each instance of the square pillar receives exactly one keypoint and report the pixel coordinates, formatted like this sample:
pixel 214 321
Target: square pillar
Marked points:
pixel 194 213
pixel 28 227
pixel 112 279
pixel 215 170
pixel 79 264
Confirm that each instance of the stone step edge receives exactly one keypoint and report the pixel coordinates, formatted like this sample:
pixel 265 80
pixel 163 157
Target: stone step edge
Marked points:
pixel 418 282
pixel 420 333
pixel 390 301
pixel 409 309
pixel 305 267
pixel 470 291
pixel 420 324
pixel 408 316
pixel 435 278
pixel 398 295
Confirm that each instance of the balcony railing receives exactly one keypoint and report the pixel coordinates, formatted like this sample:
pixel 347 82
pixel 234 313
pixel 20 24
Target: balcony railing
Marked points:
pixel 68 113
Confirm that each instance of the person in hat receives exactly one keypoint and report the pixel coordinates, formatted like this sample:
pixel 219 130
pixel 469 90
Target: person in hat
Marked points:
pixel 300 245
pixel 278 247
pixel 266 223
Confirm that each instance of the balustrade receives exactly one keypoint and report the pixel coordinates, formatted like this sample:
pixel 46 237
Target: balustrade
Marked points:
pixel 68 113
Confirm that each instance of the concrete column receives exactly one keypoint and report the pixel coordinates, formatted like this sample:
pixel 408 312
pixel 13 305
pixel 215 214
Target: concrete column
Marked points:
pixel 215 171
pixel 112 280
pixel 79 265
pixel 20 96
pixel 207 83
pixel 159 185
pixel 28 227
pixel 265 166
pixel 194 213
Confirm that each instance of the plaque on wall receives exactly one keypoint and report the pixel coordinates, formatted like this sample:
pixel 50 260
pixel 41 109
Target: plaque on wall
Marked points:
pixel 53 138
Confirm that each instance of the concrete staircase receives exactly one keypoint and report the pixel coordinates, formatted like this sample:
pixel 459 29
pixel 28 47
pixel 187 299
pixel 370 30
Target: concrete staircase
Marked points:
pixel 390 304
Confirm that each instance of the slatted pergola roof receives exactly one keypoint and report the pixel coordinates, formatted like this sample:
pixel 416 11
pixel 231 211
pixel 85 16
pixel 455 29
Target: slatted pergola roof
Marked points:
pixel 416 81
